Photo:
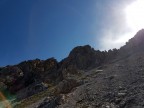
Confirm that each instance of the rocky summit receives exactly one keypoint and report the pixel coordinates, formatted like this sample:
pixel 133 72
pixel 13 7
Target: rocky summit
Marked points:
pixel 87 78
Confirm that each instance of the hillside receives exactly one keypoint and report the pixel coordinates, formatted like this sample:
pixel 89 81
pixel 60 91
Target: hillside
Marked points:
pixel 87 78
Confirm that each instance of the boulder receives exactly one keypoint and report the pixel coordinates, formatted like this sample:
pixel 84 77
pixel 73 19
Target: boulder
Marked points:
pixel 66 86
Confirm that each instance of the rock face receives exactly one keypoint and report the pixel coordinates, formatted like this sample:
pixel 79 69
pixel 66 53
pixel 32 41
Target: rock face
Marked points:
pixel 87 78
pixel 84 57
pixel 137 41
pixel 45 70
pixel 119 85
pixel 134 45
pixel 24 78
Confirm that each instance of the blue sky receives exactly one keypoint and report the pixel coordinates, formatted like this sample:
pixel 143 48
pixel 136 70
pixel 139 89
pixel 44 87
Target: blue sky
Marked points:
pixel 42 29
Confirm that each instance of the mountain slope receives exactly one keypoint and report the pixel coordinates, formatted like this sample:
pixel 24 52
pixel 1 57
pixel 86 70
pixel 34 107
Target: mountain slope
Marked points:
pixel 87 78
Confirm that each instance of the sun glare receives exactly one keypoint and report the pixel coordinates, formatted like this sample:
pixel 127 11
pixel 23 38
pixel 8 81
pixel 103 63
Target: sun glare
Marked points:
pixel 135 15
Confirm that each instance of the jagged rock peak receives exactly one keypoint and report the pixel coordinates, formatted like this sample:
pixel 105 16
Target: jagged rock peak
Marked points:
pixel 140 33
pixel 81 49
pixel 136 43
pixel 138 38
pixel 84 57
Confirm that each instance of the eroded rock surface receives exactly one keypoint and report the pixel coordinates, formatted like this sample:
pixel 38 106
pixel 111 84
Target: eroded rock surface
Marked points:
pixel 87 78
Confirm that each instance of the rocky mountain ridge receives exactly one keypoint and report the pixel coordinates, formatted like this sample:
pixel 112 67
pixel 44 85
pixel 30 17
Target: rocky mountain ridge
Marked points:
pixel 87 78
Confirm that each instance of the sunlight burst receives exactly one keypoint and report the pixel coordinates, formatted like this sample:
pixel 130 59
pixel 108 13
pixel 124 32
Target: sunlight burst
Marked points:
pixel 133 21
pixel 135 15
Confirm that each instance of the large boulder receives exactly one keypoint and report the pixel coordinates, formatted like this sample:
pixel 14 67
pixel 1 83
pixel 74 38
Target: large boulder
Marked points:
pixel 66 86
pixel 49 102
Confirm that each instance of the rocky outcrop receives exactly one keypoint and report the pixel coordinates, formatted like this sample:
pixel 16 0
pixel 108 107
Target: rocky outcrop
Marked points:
pixel 11 76
pixel 119 85
pixel 84 57
pixel 46 70
pixel 86 78
pixel 134 45
pixel 19 77
pixel 49 102
pixel 136 41
pixel 25 78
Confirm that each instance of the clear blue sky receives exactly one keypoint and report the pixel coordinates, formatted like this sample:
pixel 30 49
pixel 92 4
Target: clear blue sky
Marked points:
pixel 42 29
